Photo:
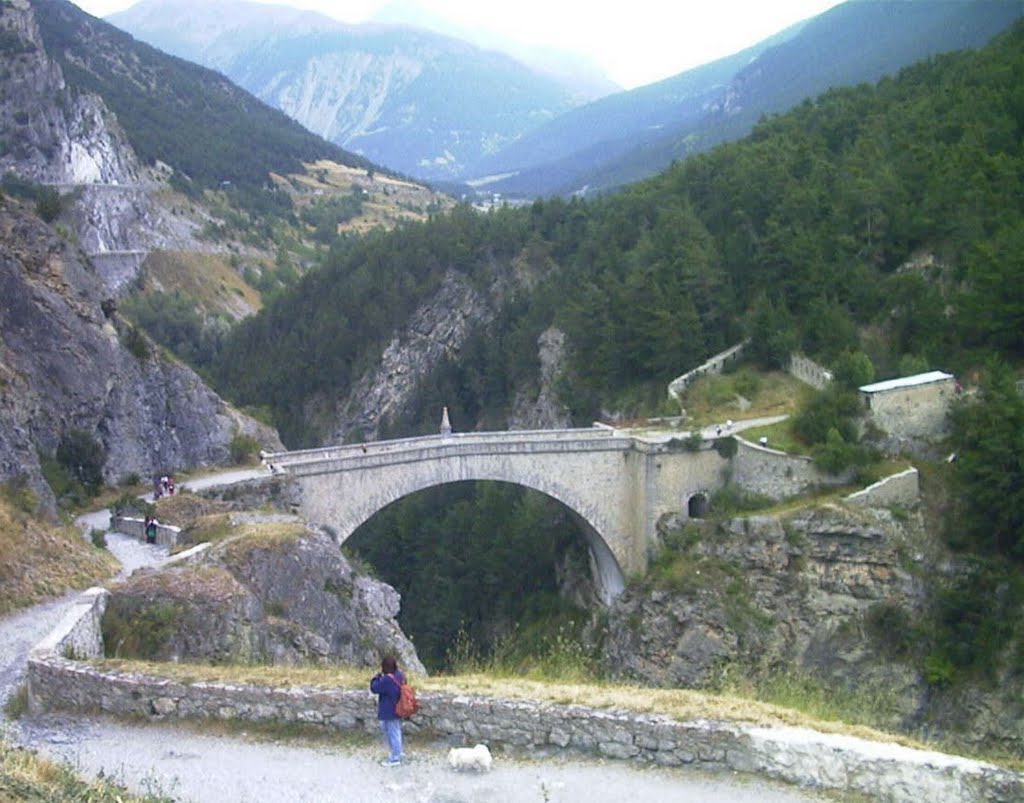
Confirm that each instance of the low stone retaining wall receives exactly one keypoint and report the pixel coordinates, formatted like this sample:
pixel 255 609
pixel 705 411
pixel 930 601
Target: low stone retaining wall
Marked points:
pixel 78 632
pixel 166 534
pixel 808 371
pixel 714 365
pixel 886 772
pixel 777 475
pixel 902 489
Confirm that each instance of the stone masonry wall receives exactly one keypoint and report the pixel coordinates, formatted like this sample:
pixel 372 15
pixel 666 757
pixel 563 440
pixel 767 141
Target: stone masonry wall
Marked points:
pixel 78 633
pixel 714 365
pixel 808 371
pixel 166 534
pixel 902 489
pixel 777 475
pixel 886 772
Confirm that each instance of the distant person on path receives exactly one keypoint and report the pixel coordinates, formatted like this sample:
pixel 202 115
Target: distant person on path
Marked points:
pixel 150 530
pixel 387 685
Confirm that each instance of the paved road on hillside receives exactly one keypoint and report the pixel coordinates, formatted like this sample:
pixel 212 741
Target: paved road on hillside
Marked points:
pixel 188 764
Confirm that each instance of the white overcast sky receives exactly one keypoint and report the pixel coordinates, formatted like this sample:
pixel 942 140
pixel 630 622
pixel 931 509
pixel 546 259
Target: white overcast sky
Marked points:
pixel 636 41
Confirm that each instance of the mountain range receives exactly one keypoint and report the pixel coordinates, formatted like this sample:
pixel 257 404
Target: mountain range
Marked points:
pixel 632 135
pixel 441 109
pixel 421 103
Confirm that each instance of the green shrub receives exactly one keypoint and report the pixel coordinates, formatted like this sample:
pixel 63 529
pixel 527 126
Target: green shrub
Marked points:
pixel 130 479
pixel 731 500
pixel 726 447
pixel 938 671
pixel 747 382
pixel 890 628
pixel 136 343
pixel 244 449
pixel 142 632
pixel 48 204
pixel 693 441
pixel 83 457
pixel 836 454
pixel 275 607
pixel 832 408
pixel 17 703
pixel 128 504
pixel 98 538
pixel 19 495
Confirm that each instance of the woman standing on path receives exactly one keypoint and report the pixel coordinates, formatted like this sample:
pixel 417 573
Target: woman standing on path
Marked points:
pixel 387 685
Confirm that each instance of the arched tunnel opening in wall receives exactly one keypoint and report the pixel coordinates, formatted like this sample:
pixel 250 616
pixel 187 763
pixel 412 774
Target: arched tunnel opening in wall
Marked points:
pixel 487 568
pixel 698 505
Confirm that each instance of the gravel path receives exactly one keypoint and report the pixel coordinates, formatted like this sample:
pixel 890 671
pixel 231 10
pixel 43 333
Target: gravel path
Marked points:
pixel 190 764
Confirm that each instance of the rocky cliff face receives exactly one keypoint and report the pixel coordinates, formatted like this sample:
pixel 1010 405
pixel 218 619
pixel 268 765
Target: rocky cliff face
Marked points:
pixel 56 136
pixel 437 332
pixel 53 135
pixel 827 592
pixel 66 366
pixel 276 591
pixel 761 592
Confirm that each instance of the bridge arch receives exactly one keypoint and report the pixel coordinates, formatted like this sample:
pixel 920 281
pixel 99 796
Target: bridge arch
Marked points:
pixel 366 498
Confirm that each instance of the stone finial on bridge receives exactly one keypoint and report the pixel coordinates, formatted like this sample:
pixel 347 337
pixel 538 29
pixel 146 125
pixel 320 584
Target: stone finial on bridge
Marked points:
pixel 446 426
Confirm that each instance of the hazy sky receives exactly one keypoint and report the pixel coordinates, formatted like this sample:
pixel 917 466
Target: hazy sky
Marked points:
pixel 635 41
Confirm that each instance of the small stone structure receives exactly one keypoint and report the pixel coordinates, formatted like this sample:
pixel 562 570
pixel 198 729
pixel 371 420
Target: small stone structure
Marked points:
pixel 886 772
pixel 714 365
pixel 911 406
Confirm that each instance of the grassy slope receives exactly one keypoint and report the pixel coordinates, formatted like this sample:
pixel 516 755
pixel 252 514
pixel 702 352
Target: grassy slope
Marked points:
pixel 26 777
pixel 39 560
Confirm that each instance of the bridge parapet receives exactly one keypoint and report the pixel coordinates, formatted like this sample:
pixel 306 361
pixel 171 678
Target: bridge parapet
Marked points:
pixel 374 453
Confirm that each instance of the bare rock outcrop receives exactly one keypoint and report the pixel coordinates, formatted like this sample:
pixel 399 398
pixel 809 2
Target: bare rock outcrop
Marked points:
pixel 438 331
pixel 72 141
pixel 67 365
pixel 541 408
pixel 765 593
pixel 277 591
pixel 55 136
pixel 830 593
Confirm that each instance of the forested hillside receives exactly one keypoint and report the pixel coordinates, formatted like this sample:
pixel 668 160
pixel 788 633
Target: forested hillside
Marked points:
pixel 874 217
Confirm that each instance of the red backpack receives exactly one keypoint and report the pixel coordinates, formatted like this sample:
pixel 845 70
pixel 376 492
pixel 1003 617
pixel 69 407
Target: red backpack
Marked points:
pixel 407 704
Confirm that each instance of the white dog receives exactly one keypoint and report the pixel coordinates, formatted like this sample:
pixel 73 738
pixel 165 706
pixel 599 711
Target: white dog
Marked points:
pixel 470 758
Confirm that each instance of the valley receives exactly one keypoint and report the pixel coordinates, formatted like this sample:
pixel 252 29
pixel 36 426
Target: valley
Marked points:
pixel 192 281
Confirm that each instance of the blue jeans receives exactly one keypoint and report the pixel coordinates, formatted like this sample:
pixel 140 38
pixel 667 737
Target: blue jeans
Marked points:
pixel 392 729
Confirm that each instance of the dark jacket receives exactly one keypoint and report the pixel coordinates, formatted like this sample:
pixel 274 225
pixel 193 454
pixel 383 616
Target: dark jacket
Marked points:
pixel 388 689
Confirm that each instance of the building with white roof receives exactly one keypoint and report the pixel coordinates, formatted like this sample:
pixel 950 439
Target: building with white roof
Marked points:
pixel 911 406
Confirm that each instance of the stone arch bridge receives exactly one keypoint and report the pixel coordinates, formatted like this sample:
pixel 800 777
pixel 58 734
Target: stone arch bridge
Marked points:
pixel 616 485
